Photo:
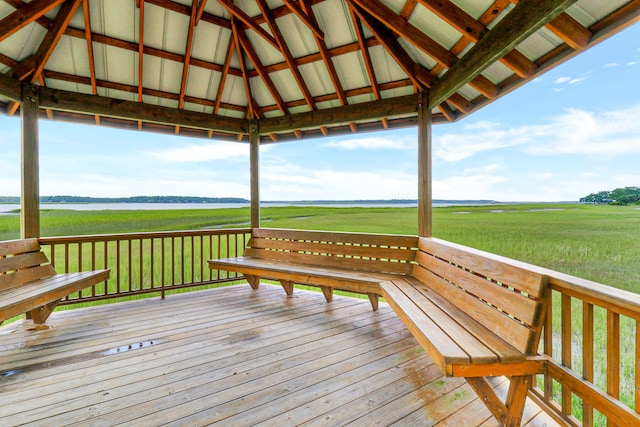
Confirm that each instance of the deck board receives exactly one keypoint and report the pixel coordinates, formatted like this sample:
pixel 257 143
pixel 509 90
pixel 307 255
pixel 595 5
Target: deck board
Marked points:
pixel 231 356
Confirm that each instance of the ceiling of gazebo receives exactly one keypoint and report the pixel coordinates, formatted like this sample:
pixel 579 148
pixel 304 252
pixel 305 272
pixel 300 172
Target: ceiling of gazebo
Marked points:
pixel 291 68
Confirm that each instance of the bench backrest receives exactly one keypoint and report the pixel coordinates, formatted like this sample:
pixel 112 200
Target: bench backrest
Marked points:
pixel 498 292
pixel 367 252
pixel 21 261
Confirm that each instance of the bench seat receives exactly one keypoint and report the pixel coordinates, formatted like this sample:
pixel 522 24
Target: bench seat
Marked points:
pixel 476 314
pixel 455 341
pixel 29 284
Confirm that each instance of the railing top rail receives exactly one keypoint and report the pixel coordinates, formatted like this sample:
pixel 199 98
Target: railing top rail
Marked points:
pixel 56 240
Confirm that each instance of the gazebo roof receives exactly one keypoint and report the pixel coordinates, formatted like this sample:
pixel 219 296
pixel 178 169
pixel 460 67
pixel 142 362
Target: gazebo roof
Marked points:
pixel 293 68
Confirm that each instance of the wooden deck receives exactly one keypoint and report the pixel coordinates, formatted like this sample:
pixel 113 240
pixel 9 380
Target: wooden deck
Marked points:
pixel 231 356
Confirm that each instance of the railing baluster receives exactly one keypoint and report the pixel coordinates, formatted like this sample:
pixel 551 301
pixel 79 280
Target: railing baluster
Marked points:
pixel 118 266
pixel 162 248
pixel 141 256
pixel 566 349
pixel 587 358
pixel 548 345
pixel 79 265
pixel 93 265
pixel 613 356
pixel 637 358
pixel 152 256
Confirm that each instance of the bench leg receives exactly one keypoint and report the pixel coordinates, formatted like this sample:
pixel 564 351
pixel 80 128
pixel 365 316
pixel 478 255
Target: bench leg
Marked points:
pixel 327 292
pixel 41 314
pixel 288 286
pixel 254 281
pixel 516 399
pixel 373 299
pixel 509 414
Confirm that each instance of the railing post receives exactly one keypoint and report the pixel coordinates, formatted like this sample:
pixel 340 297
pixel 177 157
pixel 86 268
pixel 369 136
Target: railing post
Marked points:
pixel 425 208
pixel 254 142
pixel 30 192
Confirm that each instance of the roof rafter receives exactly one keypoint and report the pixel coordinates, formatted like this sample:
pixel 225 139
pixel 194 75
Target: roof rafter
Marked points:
pixel 288 57
pixel 90 57
pixel 420 76
pixel 201 6
pixel 187 51
pixel 25 15
pixel 246 19
pixel 520 23
pixel 413 35
pixel 251 114
pixel 255 60
pixel 310 23
pixel 225 72
pixel 33 66
pixel 306 7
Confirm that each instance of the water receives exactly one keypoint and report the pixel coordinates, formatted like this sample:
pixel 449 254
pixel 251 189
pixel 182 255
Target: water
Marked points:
pixel 8 207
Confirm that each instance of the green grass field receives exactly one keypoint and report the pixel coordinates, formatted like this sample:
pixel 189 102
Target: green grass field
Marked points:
pixel 600 243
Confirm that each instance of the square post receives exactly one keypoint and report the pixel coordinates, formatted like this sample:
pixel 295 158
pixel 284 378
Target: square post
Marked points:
pixel 254 165
pixel 30 176
pixel 425 208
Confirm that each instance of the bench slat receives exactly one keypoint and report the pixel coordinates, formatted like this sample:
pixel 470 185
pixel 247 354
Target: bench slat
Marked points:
pixel 21 261
pixel 505 352
pixel 302 274
pixel 445 319
pixel 498 268
pixel 20 299
pixel 511 302
pixel 27 275
pixel 389 240
pixel 398 254
pixel 512 331
pixel 13 247
pixel 332 261
pixel 438 345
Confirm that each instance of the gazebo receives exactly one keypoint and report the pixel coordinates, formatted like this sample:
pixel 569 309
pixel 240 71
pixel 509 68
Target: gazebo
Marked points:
pixel 271 71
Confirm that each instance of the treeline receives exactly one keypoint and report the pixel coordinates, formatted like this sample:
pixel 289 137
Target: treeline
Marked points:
pixel 135 199
pixel 619 196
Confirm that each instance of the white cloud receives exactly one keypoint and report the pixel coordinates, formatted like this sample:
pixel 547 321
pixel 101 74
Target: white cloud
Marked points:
pixel 570 80
pixel 373 143
pixel 282 181
pixel 631 63
pixel 203 152
pixel 476 183
pixel 611 64
pixel 577 131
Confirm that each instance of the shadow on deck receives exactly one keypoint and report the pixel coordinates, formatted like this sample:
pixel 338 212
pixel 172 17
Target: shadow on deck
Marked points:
pixel 231 356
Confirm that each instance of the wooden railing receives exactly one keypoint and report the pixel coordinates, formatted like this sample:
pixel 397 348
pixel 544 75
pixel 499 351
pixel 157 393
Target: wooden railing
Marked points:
pixel 143 263
pixel 592 340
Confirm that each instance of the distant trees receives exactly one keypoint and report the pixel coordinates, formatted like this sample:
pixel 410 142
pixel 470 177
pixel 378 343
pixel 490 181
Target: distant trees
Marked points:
pixel 619 196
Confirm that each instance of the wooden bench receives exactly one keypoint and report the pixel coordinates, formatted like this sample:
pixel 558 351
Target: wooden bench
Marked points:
pixel 351 262
pixel 29 283
pixel 476 314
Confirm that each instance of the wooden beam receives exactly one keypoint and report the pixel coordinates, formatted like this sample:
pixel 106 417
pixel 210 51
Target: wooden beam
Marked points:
pixel 266 79
pixel 30 193
pixel 311 24
pixel 286 52
pixel 525 19
pixel 140 50
pixel 419 75
pixel 187 52
pixel 364 50
pixel 372 110
pixel 25 15
pixel 326 57
pixel 131 110
pixel 246 19
pixel 254 165
pixel 425 155
pixel 223 77
pixel 245 78
pixel 10 88
pixel 48 45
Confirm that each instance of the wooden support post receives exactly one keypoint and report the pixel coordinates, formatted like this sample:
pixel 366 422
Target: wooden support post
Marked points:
pixel 30 193
pixel 425 213
pixel 254 281
pixel 327 292
pixel 373 299
pixel 254 142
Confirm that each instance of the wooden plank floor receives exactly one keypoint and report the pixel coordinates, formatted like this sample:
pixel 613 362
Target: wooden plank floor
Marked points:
pixel 234 357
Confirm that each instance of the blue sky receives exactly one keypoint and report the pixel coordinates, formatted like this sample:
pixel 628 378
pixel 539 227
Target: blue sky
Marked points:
pixel 573 131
